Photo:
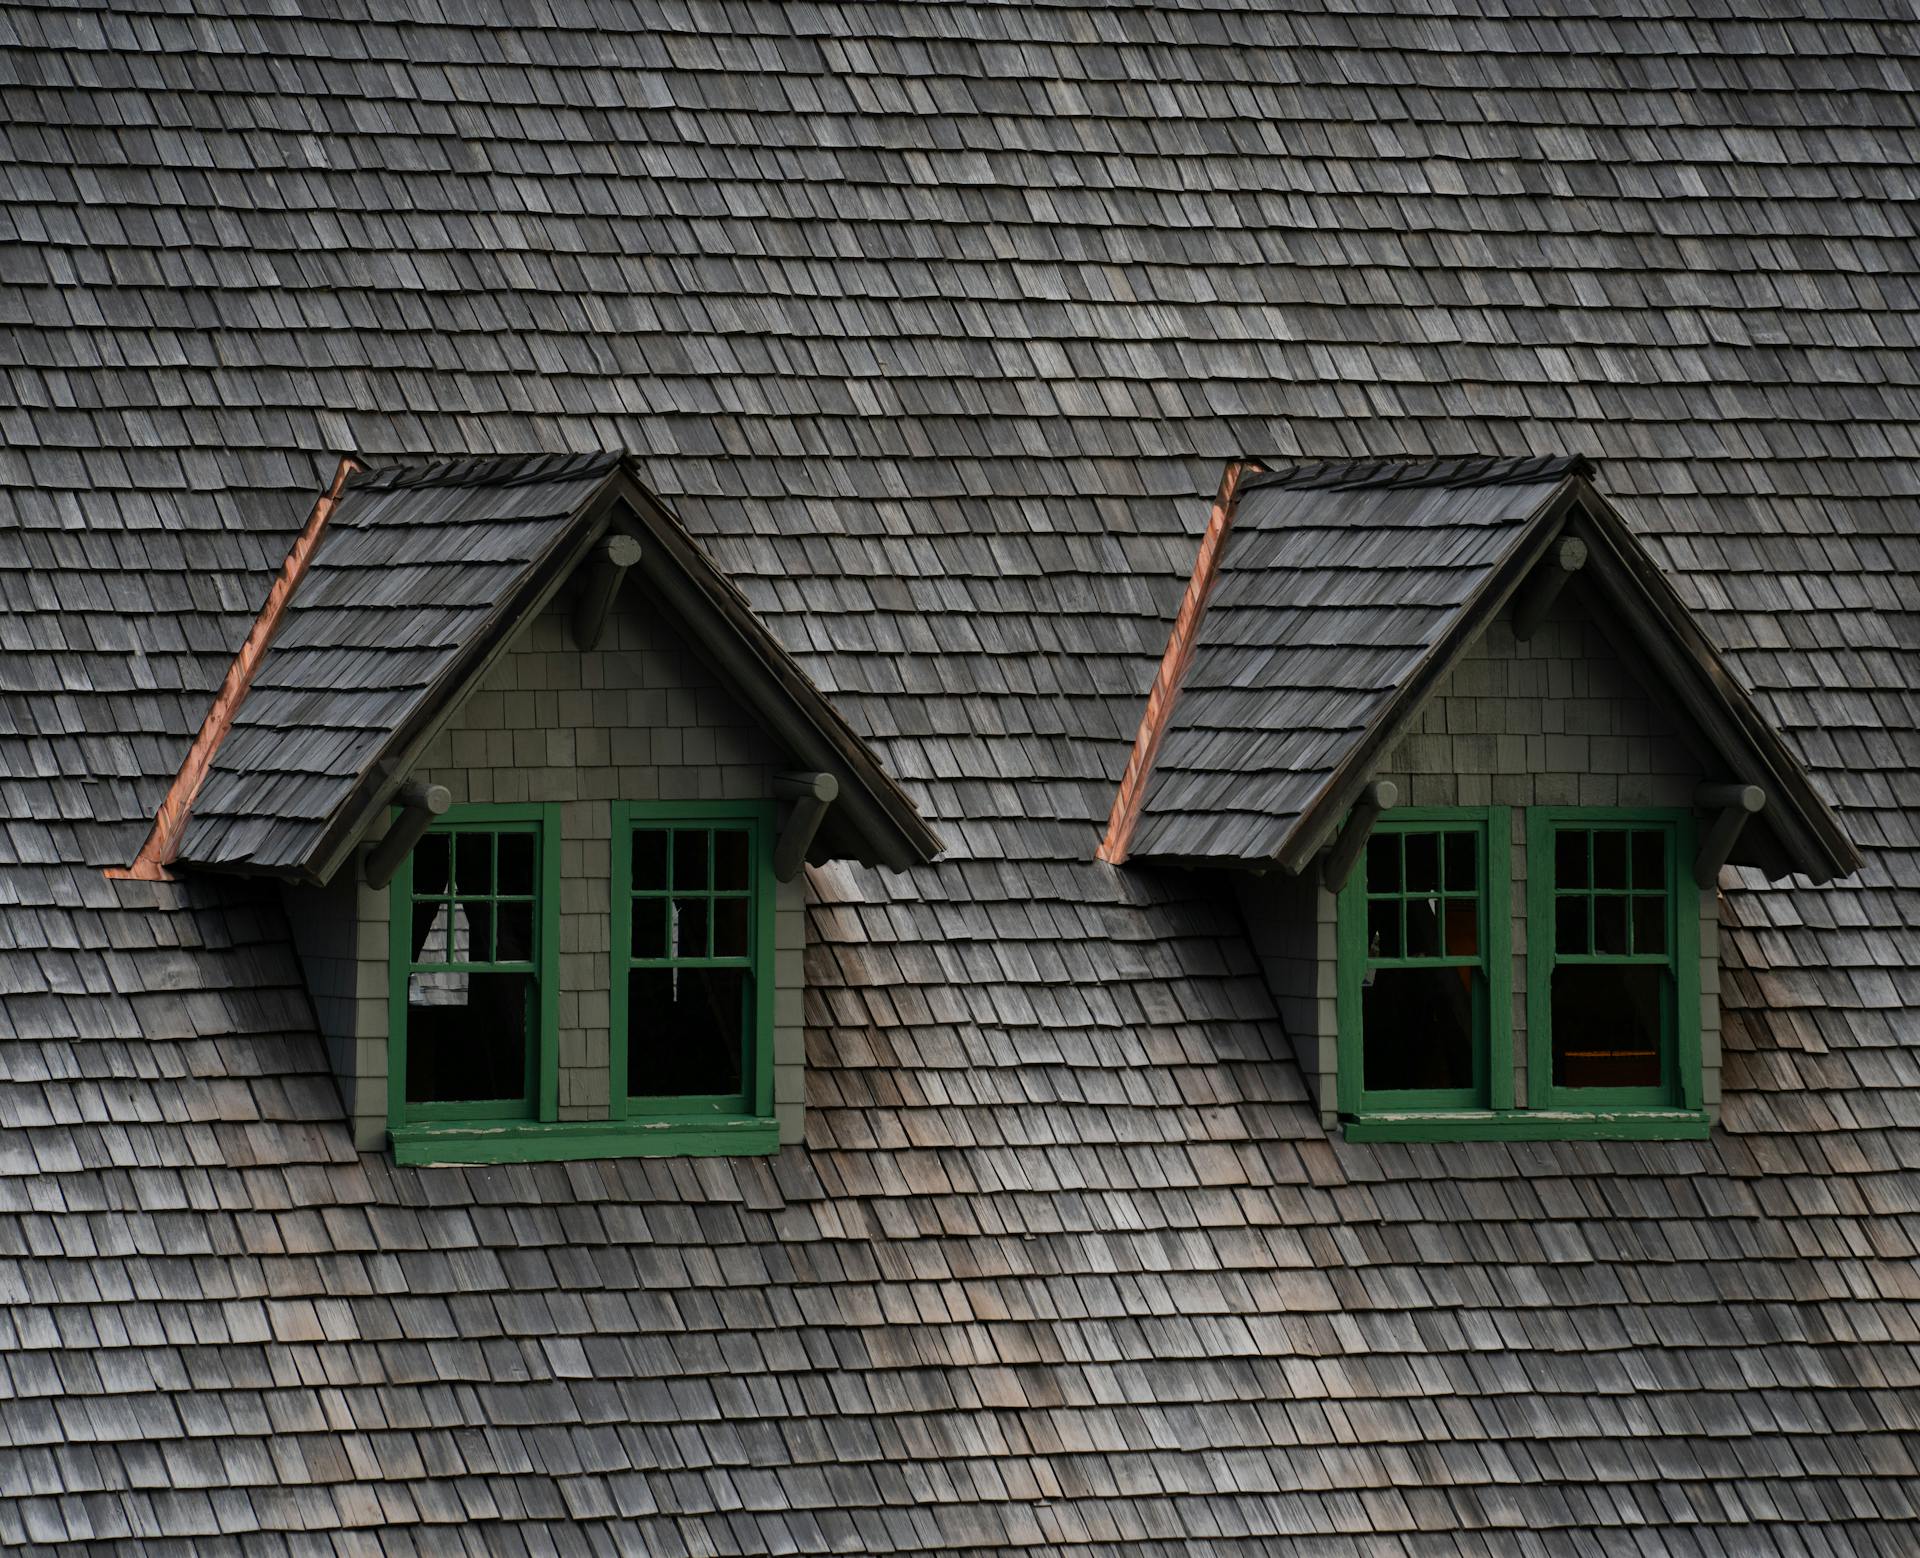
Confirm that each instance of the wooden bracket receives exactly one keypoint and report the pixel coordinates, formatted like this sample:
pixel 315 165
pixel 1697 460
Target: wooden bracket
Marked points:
pixel 1337 864
pixel 420 804
pixel 609 564
pixel 1735 803
pixel 1567 557
pixel 811 794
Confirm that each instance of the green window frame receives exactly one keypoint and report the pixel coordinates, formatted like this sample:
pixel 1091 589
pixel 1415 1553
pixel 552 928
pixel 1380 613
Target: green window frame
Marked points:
pixel 1376 913
pixel 487 905
pixel 733 929
pixel 1581 915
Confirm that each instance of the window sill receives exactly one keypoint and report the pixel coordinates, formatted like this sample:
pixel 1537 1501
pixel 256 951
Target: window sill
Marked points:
pixel 528 1141
pixel 1531 1125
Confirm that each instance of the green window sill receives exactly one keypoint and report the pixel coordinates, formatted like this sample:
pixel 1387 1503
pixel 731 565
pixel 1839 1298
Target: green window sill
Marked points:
pixel 1531 1125
pixel 522 1141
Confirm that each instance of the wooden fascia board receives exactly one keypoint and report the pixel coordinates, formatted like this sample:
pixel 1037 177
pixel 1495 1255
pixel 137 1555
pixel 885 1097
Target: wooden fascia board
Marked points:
pixel 1678 654
pixel 714 614
pixel 1322 816
pixel 395 757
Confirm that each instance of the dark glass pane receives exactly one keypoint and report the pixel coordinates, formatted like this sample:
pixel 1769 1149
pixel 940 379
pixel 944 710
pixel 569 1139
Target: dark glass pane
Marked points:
pixel 1606 1025
pixel 1461 876
pixel 516 863
pixel 1610 926
pixel 431 941
pixel 472 931
pixel 730 860
pixel 1383 929
pixel 473 863
pixel 729 927
pixel 1463 927
pixel 1650 925
pixel 649 860
pixel 1570 925
pixel 1383 863
pixel 1423 862
pixel 1423 928
pixel 1417 1029
pixel 1609 860
pixel 515 931
pixel 1570 858
pixel 649 927
pixel 430 865
pixel 467 1037
pixel 690 858
pixel 686 1031
pixel 1649 860
pixel 689 928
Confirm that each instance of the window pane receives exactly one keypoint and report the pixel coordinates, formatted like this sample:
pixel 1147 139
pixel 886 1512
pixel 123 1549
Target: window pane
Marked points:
pixel 430 865
pixel 1383 863
pixel 1423 927
pixel 1423 862
pixel 730 927
pixel 467 1037
pixel 730 859
pixel 1383 929
pixel 1463 927
pixel 472 931
pixel 515 930
pixel 689 928
pixel 1418 1030
pixel 1570 926
pixel 432 937
pixel 1569 858
pixel 516 863
pixel 686 1031
pixel 1461 875
pixel 472 863
pixel 690 858
pixel 1610 925
pixel 649 860
pixel 1650 924
pixel 1606 1025
pixel 1609 859
pixel 1649 860
pixel 649 927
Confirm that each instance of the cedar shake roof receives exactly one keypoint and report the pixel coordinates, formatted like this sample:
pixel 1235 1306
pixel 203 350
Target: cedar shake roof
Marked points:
pixel 935 324
pixel 1342 593
pixel 421 572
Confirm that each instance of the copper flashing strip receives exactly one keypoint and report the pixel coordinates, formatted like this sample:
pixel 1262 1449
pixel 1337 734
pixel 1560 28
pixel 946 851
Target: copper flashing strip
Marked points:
pixel 170 821
pixel 1173 669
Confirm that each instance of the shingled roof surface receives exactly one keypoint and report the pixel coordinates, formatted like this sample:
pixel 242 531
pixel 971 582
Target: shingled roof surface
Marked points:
pixel 1335 582
pixel 937 323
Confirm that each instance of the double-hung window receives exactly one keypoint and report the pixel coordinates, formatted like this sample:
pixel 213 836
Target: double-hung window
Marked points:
pixel 473 960
pixel 693 989
pixel 1423 981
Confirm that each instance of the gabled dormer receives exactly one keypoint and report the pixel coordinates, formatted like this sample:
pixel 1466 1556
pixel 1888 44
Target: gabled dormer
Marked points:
pixel 1473 772
pixel 540 787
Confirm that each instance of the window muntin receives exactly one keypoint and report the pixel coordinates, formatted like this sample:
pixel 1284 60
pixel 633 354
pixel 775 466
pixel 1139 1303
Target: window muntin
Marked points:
pixel 471 1014
pixel 1422 984
pixel 1613 957
pixel 692 960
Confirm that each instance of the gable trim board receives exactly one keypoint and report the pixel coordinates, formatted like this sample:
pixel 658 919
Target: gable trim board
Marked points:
pixel 872 819
pixel 1659 639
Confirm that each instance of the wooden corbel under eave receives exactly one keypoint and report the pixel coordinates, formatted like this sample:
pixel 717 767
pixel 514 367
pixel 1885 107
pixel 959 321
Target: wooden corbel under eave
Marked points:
pixel 609 564
pixel 420 804
pixel 1338 862
pixel 1550 575
pixel 1735 803
pixel 811 794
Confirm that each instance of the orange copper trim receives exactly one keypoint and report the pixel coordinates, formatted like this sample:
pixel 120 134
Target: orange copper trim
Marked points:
pixel 170 822
pixel 1173 669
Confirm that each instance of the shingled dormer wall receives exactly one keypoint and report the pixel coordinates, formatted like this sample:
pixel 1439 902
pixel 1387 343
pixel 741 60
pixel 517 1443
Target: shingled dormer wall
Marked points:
pixel 1555 720
pixel 638 718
